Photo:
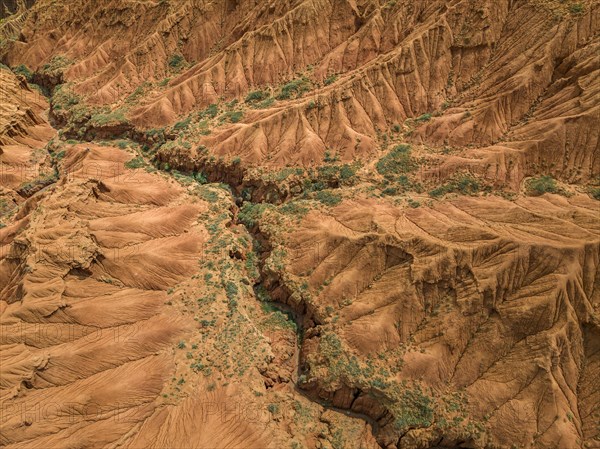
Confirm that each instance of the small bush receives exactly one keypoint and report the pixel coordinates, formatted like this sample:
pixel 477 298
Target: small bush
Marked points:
pixel 250 213
pixel 465 185
pixel 176 61
pixel 265 103
pixel 57 63
pixel 232 116
pixel 200 178
pixel 210 112
pixel 294 88
pixel 330 80
pixel 423 118
pixel 231 290
pixel 328 198
pixel 257 95
pixel 64 98
pixel 136 162
pixel 180 126
pixel 23 70
pixel 396 162
pixel 541 185
pixel 595 192
pixel 576 8
pixel 106 118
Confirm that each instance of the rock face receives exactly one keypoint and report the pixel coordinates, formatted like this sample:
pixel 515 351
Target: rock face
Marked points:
pixel 304 223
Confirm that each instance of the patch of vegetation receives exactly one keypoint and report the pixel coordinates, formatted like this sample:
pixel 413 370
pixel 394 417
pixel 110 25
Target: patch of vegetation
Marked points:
pixel 294 88
pixel 210 112
pixel 64 98
pixel 328 198
pixel 250 213
pixel 285 173
pixel 136 162
pixel 329 158
pixel 543 184
pixel 278 318
pixel 423 118
pixel 176 61
pixel 332 176
pixel 265 103
pixel 183 124
pixel 576 8
pixel 465 185
pixel 137 93
pixel 595 192
pixel 232 116
pixel 330 80
pixel 294 208
pixel 396 162
pixel 108 118
pixel 56 64
pixel 414 409
pixel 24 71
pixel 256 95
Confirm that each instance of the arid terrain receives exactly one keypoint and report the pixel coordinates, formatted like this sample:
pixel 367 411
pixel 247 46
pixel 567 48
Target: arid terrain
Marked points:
pixel 303 224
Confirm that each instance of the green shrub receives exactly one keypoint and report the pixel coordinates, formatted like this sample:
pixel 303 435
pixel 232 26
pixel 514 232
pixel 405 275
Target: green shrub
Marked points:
pixel 257 95
pixel 576 8
pixel 595 192
pixel 347 172
pixel 294 209
pixel 465 185
pixel 330 80
pixel 328 158
pixel 541 185
pixel 328 198
pixel 183 124
pixel 231 290
pixel 232 116
pixel 176 60
pixel 56 64
pixel 414 410
pixel 106 118
pixel 23 70
pixel 423 118
pixel 200 177
pixel 294 88
pixel 210 112
pixel 136 162
pixel 250 213
pixel 64 98
pixel 265 103
pixel 396 162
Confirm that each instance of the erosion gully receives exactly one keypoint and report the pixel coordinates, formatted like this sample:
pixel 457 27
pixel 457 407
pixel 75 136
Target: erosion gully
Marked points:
pixel 259 192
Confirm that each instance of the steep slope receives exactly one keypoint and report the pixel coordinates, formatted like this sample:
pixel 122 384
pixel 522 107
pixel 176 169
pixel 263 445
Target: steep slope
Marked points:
pixel 404 308
pixel 490 70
